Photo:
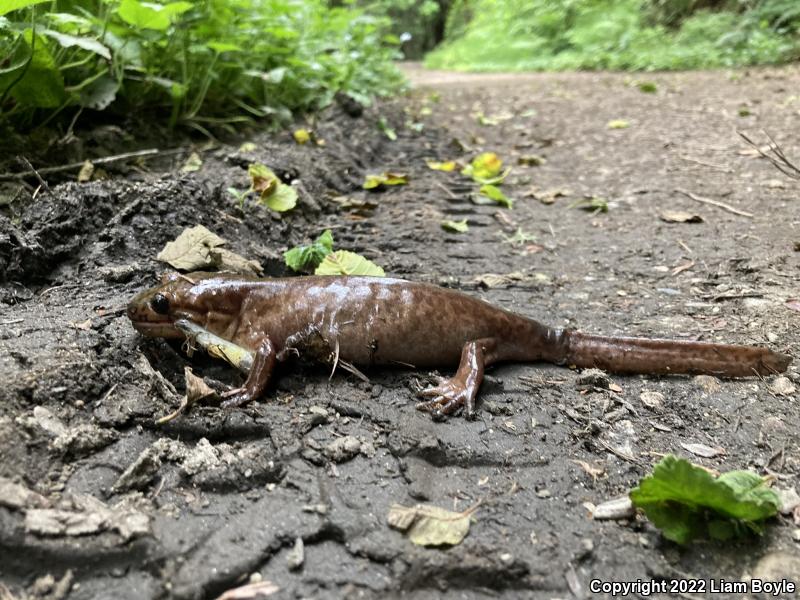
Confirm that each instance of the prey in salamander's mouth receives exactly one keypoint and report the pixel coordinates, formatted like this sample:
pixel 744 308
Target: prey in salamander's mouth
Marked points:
pixel 367 321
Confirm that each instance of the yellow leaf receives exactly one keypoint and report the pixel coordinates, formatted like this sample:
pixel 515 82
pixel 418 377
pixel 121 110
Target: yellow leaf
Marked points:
pixel 449 165
pixel 301 136
pixel 343 262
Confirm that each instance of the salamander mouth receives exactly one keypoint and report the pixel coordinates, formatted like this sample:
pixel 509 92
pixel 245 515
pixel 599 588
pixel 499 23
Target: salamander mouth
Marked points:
pixel 164 329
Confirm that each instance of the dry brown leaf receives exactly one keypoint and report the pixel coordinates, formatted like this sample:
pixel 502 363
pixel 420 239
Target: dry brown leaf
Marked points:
pixel 427 525
pixel 198 248
pixel 703 450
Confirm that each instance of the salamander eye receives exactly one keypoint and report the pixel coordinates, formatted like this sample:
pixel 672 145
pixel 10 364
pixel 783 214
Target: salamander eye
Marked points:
pixel 160 304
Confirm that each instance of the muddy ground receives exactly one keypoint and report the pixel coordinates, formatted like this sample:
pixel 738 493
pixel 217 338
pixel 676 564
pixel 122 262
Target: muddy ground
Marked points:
pixel 220 498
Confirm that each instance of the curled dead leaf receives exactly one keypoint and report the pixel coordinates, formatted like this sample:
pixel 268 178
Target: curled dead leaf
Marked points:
pixel 427 525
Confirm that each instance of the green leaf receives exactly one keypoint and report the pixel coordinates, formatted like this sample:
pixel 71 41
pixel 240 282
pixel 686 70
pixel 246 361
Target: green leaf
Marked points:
pixel 282 199
pixel 647 87
pixel 87 43
pixel 456 226
pixel 387 129
pixel 43 85
pixel 448 165
pixel 301 136
pixel 343 262
pixel 8 5
pixel 496 194
pixel 305 258
pixel 484 166
pixel 594 205
pixel 224 47
pixel 618 124
pixel 147 15
pixel 271 191
pixel 685 501
pixel 372 182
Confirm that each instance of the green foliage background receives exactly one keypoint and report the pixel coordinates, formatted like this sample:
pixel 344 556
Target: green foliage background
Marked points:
pixel 198 62
pixel 617 34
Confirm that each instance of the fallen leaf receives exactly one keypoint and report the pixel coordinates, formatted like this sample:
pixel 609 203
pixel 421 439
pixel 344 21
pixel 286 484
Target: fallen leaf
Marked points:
pixel 449 165
pixel 86 172
pixel 387 130
pixel 373 182
pixel 678 216
pixel 531 160
pixel 198 248
pixel 456 226
pixel 593 204
pixel 427 525
pixel 618 124
pixel 496 194
pixel 485 168
pixel 647 87
pixel 271 191
pixel 343 262
pixel 192 164
pixel 301 136
pixel 703 450
pixel 82 325
pixel 493 280
pixel 226 260
pixel 305 258
pixel 248 147
pixel 190 251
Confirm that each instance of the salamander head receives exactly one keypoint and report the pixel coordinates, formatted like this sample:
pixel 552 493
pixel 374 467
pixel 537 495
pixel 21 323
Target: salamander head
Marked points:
pixel 195 297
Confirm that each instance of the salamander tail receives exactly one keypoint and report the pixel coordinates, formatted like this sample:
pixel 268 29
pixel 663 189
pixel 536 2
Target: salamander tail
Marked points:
pixel 654 356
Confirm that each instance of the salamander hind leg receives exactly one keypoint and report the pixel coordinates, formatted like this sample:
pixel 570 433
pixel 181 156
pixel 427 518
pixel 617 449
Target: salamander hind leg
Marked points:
pixel 461 389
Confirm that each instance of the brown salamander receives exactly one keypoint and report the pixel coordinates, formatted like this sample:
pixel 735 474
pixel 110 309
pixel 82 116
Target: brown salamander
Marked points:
pixel 376 321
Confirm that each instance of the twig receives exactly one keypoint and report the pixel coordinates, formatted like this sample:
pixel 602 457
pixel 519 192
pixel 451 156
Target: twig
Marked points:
pixel 706 164
pixel 33 171
pixel 716 203
pixel 779 161
pixel 446 189
pixel 97 161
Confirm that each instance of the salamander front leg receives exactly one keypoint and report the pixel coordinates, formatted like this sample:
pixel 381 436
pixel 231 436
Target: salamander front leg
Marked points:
pixel 462 388
pixel 257 380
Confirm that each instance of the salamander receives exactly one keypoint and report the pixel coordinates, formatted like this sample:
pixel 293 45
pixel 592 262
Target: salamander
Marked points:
pixel 369 321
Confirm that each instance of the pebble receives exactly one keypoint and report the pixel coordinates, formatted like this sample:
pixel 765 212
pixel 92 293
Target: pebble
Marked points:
pixel 652 400
pixel 783 386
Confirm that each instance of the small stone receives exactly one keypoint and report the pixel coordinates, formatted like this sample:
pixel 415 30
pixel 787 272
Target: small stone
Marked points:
pixel 776 566
pixel 652 400
pixel 789 500
pixel 593 378
pixel 342 449
pixel 544 493
pixel 796 535
pixel 782 386
pixel 619 508
pixel 707 383
pixel 296 556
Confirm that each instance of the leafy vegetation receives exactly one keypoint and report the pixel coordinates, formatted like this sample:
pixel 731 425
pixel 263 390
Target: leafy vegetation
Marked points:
pixel 201 63
pixel 617 34
pixel 686 501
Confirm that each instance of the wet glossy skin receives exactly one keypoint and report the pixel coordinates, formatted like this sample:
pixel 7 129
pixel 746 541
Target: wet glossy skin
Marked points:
pixel 377 321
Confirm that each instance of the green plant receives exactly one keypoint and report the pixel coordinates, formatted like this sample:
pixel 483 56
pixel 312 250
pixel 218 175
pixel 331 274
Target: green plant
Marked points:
pixel 200 63
pixel 620 34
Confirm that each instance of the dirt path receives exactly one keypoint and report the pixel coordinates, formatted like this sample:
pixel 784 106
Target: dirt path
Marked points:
pixel 221 498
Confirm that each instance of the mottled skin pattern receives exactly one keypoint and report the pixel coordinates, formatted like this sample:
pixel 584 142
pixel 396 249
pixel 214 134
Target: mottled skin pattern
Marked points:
pixel 376 321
